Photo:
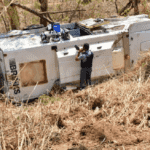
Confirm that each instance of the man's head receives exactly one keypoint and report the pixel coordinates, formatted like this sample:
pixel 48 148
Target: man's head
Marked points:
pixel 86 46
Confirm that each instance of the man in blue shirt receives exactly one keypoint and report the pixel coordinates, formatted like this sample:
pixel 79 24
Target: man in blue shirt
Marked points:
pixel 86 57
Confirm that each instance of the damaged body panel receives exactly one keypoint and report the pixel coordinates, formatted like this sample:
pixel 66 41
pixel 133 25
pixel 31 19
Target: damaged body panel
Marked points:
pixel 31 61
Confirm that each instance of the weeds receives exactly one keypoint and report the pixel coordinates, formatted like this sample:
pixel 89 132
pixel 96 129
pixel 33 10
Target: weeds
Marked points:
pixel 46 99
pixel 108 108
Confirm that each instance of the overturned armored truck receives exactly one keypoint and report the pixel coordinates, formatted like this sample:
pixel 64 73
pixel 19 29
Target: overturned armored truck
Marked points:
pixel 31 61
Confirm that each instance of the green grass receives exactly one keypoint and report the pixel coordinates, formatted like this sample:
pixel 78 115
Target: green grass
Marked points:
pixel 37 5
pixel 45 99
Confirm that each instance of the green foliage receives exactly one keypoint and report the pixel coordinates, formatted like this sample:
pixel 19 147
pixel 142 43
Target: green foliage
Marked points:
pixel 58 6
pixel 6 2
pixel 26 109
pixel 119 10
pixel 37 5
pixel 45 99
pixel 99 1
pixel 0 19
pixel 144 2
pixel 97 15
pixel 25 2
pixel 143 64
pixel 126 12
pixel 86 3
pixel 35 20
pixel 25 13
pixel 65 19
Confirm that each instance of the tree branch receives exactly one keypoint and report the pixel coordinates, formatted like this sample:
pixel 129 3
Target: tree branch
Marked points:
pixel 31 11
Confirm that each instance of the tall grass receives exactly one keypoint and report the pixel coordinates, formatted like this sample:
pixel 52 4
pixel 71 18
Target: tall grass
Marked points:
pixel 123 101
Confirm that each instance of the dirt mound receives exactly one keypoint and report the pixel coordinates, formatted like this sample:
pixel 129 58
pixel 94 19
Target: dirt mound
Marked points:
pixel 77 112
pixel 81 147
pixel 53 119
pixel 92 132
pixel 93 103
pixel 56 90
pixel 100 115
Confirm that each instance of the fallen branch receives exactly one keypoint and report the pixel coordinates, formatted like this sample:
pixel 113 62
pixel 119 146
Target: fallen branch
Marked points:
pixel 126 7
pixel 128 10
pixel 48 15
pixel 116 6
pixel 48 12
pixel 31 11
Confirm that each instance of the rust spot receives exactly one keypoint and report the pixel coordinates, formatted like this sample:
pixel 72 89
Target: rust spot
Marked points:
pixel 5 55
pixel 126 57
pixel 32 73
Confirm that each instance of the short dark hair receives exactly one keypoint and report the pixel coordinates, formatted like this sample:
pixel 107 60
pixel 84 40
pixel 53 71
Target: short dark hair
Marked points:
pixel 86 46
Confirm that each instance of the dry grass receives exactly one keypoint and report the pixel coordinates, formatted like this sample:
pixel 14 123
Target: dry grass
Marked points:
pixel 113 114
pixel 95 9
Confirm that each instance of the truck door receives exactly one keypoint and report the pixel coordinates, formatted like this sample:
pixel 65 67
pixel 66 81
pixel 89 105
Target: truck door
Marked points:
pixel 3 82
pixel 139 40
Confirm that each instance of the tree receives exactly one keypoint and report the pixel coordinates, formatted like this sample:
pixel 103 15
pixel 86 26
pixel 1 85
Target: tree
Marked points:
pixel 135 6
pixel 131 4
pixel 44 5
pixel 13 15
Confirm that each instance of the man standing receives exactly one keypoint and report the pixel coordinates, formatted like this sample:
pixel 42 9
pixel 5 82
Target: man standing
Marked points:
pixel 86 57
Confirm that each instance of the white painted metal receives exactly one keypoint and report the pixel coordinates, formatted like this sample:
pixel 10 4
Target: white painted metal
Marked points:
pixel 145 46
pixel 102 63
pixel 138 41
pixel 118 58
pixel 29 55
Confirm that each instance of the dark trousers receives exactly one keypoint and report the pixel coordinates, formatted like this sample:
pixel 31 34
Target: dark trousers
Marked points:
pixel 85 77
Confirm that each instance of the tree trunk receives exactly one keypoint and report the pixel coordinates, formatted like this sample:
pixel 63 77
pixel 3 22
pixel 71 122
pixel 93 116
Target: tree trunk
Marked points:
pixel 135 5
pixel 13 15
pixel 73 13
pixel 44 4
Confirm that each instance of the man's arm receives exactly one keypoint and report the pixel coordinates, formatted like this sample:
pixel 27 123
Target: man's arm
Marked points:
pixel 77 59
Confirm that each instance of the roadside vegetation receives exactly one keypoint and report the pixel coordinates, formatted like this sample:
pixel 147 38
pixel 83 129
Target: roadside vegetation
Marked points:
pixel 112 115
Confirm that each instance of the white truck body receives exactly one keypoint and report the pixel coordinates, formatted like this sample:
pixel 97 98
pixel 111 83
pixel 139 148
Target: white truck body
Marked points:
pixel 36 67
